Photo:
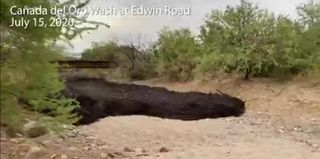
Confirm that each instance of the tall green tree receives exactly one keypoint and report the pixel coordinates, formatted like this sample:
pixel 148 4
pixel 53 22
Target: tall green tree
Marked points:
pixel 243 32
pixel 309 41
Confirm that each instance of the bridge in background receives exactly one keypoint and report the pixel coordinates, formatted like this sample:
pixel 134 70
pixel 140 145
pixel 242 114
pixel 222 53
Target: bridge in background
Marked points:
pixel 92 64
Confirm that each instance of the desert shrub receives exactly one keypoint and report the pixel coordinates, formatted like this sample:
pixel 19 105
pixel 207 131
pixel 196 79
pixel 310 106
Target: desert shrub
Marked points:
pixel 175 54
pixel 109 51
pixel 253 42
pixel 238 37
pixel 29 78
pixel 133 62
pixel 243 40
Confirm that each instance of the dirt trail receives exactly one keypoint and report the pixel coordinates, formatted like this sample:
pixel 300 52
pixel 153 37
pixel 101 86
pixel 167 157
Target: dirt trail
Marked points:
pixel 282 122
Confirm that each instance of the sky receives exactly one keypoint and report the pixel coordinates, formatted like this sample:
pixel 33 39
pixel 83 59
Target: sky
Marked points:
pixel 126 28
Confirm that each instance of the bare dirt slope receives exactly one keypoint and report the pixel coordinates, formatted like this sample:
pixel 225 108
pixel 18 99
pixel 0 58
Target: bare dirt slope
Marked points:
pixel 282 122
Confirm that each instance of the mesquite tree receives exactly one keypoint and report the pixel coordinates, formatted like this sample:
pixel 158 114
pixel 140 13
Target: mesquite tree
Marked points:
pixel 27 75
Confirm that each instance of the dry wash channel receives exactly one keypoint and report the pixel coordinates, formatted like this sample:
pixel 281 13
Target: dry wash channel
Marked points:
pixel 99 98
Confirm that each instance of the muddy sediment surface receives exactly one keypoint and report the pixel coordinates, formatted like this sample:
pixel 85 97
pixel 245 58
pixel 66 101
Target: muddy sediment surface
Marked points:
pixel 99 98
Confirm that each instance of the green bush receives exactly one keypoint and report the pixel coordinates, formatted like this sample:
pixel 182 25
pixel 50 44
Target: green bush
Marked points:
pixel 29 79
pixel 242 39
pixel 175 54
pixel 253 42
pixel 133 62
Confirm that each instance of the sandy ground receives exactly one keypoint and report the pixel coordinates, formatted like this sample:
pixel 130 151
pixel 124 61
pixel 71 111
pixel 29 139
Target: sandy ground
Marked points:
pixel 205 139
pixel 282 122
